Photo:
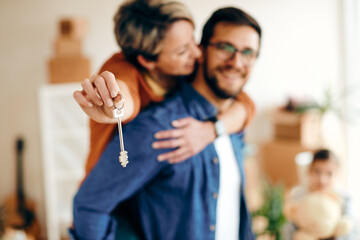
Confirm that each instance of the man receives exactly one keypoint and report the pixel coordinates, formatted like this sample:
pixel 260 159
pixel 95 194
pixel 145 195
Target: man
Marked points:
pixel 195 199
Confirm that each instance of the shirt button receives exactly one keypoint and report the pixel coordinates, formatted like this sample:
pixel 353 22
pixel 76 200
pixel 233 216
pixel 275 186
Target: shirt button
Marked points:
pixel 212 227
pixel 215 160
pixel 215 195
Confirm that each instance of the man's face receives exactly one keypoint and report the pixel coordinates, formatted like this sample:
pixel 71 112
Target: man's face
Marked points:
pixel 229 58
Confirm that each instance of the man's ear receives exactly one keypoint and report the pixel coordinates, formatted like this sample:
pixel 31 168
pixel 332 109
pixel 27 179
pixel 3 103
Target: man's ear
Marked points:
pixel 147 64
pixel 201 58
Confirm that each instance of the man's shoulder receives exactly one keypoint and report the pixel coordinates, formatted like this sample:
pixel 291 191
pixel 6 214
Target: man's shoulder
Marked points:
pixel 162 113
pixel 182 102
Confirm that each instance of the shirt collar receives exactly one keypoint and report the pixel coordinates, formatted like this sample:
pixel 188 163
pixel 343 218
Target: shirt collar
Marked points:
pixel 197 103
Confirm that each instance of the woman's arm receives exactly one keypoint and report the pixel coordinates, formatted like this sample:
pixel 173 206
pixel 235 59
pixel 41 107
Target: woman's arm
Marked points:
pixel 190 136
pixel 234 118
pixel 96 97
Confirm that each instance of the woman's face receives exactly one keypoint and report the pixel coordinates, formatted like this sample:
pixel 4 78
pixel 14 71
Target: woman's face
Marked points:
pixel 180 52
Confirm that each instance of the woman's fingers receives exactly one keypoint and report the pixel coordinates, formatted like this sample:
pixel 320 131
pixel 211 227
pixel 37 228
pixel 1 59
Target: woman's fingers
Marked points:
pixel 100 85
pixel 90 91
pixel 82 99
pixel 171 143
pixel 190 137
pixel 101 88
pixel 174 156
pixel 172 133
pixel 112 85
pixel 182 122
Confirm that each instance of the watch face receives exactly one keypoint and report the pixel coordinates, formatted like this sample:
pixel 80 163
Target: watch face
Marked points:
pixel 219 128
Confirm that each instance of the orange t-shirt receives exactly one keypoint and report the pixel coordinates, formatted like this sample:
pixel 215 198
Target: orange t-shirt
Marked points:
pixel 101 134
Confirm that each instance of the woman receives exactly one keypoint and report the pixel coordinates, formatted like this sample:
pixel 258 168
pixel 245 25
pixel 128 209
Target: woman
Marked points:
pixel 156 39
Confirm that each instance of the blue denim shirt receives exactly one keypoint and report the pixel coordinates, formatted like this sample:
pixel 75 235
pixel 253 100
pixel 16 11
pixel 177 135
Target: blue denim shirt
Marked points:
pixel 166 201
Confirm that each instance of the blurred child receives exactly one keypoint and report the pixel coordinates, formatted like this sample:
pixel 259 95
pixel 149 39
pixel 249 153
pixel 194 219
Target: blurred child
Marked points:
pixel 322 176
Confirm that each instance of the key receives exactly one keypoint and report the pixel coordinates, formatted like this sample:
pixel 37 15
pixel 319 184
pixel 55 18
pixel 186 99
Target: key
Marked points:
pixel 123 158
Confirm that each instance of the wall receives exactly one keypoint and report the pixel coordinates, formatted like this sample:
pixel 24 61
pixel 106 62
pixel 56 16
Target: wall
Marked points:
pixel 300 55
pixel 351 23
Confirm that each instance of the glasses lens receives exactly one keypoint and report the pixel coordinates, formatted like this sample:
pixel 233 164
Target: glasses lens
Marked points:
pixel 227 50
pixel 247 53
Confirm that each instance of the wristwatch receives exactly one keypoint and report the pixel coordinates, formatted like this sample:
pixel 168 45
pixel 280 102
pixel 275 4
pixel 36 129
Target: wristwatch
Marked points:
pixel 219 128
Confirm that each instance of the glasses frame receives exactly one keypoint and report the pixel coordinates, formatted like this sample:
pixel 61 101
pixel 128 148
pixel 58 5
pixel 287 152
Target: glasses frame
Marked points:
pixel 248 59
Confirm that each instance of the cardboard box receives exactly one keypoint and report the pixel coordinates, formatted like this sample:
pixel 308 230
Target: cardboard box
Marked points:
pixel 73 27
pixel 66 46
pixel 68 69
pixel 287 125
pixel 304 128
pixel 278 161
pixel 288 132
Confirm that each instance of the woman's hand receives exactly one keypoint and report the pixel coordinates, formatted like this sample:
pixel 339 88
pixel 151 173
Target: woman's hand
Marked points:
pixel 190 136
pixel 97 96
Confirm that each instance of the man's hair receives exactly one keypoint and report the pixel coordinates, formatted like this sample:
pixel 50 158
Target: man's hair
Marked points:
pixel 324 155
pixel 140 26
pixel 229 15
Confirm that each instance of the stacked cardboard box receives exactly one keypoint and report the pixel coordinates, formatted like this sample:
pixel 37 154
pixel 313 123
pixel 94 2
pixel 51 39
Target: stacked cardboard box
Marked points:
pixel 278 161
pixel 293 133
pixel 68 63
pixel 304 128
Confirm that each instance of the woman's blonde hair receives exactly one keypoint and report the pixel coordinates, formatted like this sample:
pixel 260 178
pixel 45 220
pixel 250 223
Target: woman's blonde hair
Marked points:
pixel 140 26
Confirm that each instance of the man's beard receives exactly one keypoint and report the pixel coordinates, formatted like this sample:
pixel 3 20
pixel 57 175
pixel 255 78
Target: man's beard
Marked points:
pixel 214 86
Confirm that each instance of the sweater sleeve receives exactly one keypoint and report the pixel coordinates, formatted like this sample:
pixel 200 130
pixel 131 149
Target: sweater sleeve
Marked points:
pixel 249 106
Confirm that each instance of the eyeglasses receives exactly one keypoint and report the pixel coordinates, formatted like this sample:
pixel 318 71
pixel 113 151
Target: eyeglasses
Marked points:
pixel 227 51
